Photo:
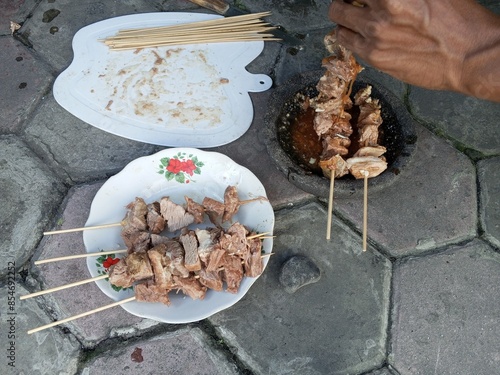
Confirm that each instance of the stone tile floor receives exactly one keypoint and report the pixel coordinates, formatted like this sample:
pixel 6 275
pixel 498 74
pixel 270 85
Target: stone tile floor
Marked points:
pixel 424 299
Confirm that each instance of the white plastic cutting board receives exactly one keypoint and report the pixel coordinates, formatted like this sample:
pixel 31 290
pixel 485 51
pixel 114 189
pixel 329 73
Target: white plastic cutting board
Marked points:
pixel 183 96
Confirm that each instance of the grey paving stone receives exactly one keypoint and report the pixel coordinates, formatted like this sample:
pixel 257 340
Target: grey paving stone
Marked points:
pixel 184 352
pixel 78 151
pixel 489 195
pixel 431 204
pixel 43 353
pixel 68 302
pixel 334 326
pixel 445 318
pixel 471 122
pixel 24 80
pixel 30 193
pixel 15 11
pixel 52 37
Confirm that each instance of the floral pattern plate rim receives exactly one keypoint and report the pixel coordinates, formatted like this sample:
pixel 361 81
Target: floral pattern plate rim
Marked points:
pixel 179 96
pixel 175 173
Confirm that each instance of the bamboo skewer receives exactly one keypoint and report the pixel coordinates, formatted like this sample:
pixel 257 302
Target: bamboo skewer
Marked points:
pixel 330 206
pixel 262 236
pixel 86 255
pixel 81 282
pixel 247 27
pixel 82 228
pixel 217 23
pixel 365 209
pixel 231 29
pixel 81 315
pixel 53 324
pixel 86 281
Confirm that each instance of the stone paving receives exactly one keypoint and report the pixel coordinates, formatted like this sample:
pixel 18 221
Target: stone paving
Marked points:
pixel 424 299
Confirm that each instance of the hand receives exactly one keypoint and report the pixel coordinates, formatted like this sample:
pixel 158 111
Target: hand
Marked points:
pixel 445 44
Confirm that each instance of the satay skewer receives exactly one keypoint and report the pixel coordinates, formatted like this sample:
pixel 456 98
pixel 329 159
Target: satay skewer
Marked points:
pixel 82 228
pixel 86 281
pixel 262 236
pixel 330 206
pixel 74 317
pixel 86 255
pixel 77 283
pixel 58 322
pixel 365 208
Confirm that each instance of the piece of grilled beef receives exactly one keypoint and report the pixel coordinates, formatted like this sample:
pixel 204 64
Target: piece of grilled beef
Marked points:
pixel 232 272
pixel 175 215
pixel 148 291
pixel 156 222
pixel 190 287
pixel 214 209
pixel 211 280
pixel 176 253
pixel 195 209
pixel 216 259
pixel 135 240
pixel 190 244
pixel 161 265
pixel 136 215
pixel 207 238
pixel 252 263
pixel 231 203
pixel 131 268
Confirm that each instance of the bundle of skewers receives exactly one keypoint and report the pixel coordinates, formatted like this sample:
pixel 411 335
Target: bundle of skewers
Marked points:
pixel 344 150
pixel 192 262
pixel 244 28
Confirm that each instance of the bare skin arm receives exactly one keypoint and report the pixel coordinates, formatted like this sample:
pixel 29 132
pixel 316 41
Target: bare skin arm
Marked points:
pixel 444 45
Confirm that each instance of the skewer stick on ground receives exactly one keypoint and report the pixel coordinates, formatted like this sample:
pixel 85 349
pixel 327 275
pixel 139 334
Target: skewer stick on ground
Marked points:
pixel 82 228
pixel 86 255
pixel 80 315
pixel 365 208
pixel 330 206
pixel 81 282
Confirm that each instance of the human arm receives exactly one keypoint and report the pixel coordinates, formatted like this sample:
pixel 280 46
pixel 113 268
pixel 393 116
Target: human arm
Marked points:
pixel 444 45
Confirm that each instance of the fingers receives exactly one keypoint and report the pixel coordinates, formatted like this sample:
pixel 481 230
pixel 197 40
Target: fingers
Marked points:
pixel 347 15
pixel 351 40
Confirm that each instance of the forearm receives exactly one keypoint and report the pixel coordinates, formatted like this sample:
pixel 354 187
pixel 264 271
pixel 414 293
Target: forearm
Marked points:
pixel 443 45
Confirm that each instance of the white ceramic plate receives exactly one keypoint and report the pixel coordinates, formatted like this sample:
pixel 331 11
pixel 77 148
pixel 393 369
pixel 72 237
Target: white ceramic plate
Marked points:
pixel 147 177
pixel 184 96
